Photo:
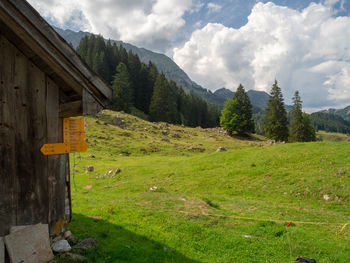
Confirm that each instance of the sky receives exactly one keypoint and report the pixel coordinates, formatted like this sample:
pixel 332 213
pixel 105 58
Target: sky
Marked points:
pixel 303 44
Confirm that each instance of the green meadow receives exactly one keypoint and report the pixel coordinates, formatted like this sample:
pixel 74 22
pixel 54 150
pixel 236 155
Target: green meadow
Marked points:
pixel 161 193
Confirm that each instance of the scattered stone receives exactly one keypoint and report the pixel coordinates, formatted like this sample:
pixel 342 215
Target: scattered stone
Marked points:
pixel 61 246
pixel 30 244
pixel 247 236
pixel 221 149
pixel 57 238
pixel 16 228
pixel 88 186
pixel 89 168
pixel 91 156
pixel 271 142
pixel 176 136
pixel 117 121
pixel 164 132
pixel 326 197
pixel 118 171
pixel 72 240
pixel 87 244
pixel 67 234
pixel 110 172
pixel 165 140
pixel 74 256
pixel 153 188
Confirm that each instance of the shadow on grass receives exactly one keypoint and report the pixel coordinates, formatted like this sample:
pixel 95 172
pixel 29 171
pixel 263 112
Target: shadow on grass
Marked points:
pixel 116 244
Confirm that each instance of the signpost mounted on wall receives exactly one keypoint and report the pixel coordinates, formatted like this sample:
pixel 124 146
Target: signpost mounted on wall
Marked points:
pixel 73 139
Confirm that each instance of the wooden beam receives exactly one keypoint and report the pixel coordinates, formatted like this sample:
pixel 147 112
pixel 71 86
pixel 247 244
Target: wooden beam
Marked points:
pixel 71 109
pixel 21 18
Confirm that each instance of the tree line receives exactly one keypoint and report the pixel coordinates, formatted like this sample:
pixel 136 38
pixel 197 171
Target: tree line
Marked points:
pixel 237 117
pixel 141 89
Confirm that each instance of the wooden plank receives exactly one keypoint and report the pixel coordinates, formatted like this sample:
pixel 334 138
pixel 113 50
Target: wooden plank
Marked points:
pixel 53 45
pixel 26 208
pixel 8 168
pixel 37 83
pixel 70 109
pixel 56 178
pixel 90 105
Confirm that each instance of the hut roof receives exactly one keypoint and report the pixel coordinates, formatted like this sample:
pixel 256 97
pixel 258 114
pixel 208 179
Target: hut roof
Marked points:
pixel 31 34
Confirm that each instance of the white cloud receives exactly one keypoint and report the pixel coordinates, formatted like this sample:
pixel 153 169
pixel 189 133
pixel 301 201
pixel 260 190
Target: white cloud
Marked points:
pixel 149 23
pixel 306 50
pixel 213 8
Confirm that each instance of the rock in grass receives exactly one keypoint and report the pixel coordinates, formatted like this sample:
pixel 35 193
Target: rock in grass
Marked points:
pixel 326 197
pixel 221 149
pixel 87 244
pixel 117 121
pixel 72 240
pixel 89 168
pixel 61 246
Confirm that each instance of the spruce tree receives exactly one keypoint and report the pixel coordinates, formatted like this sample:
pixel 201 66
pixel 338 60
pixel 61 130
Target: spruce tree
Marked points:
pixel 296 127
pixel 237 114
pixel 163 104
pixel 122 91
pixel 276 122
pixel 309 133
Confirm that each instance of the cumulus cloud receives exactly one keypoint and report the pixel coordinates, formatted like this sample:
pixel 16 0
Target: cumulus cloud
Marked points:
pixel 306 50
pixel 148 23
pixel 213 8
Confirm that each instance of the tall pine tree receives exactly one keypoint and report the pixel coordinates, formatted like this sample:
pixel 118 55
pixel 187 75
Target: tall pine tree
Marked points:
pixel 122 90
pixel 296 127
pixel 237 114
pixel 276 122
pixel 309 134
pixel 163 104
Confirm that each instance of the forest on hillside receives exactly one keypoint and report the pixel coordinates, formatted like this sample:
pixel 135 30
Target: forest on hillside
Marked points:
pixel 141 89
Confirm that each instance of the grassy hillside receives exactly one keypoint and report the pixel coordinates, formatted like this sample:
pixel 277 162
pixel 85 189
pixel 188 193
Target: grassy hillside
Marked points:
pixel 177 200
pixel 333 136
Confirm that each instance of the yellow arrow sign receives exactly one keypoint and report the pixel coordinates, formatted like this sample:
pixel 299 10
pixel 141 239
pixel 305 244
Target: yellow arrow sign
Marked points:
pixel 73 125
pixel 74 136
pixel 62 148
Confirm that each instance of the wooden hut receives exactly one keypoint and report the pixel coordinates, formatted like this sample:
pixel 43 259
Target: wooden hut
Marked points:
pixel 42 81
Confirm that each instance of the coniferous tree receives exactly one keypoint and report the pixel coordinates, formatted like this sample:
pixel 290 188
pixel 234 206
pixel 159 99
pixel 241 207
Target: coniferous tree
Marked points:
pixel 309 133
pixel 296 127
pixel 237 113
pixel 122 90
pixel 276 122
pixel 163 104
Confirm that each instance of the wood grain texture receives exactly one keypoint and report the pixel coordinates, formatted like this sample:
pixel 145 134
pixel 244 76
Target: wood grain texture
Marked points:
pixel 30 25
pixel 8 168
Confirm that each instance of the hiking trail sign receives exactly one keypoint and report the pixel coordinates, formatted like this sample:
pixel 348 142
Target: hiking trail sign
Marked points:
pixel 73 139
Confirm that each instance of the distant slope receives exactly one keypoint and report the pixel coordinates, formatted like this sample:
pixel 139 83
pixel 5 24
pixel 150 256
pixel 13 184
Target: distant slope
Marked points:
pixel 344 113
pixel 165 64
pixel 173 72
pixel 330 122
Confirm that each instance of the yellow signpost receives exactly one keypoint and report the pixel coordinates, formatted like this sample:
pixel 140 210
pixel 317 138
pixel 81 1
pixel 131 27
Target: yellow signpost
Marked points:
pixel 73 139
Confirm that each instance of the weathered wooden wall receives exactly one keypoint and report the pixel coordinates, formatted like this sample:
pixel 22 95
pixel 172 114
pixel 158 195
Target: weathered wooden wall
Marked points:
pixel 33 187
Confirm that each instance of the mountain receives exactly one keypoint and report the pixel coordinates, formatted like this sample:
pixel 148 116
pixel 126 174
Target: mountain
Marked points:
pixel 330 122
pixel 173 72
pixel 344 113
pixel 164 64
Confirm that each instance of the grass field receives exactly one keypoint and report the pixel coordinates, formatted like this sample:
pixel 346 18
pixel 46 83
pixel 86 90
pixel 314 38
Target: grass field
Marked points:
pixel 177 200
